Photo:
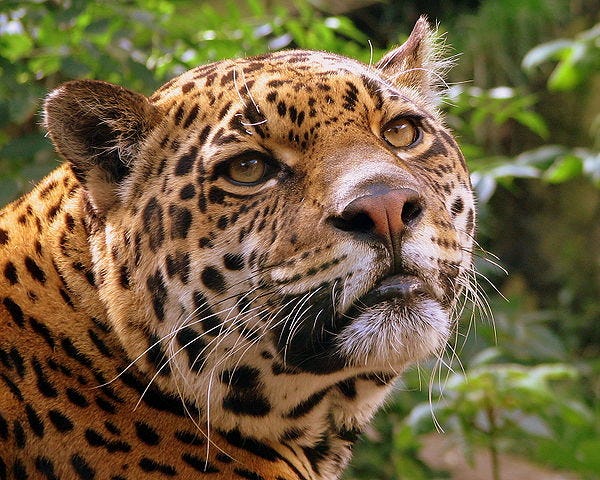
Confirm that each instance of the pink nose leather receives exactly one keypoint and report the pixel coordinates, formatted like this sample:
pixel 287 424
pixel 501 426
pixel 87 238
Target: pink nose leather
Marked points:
pixel 390 211
pixel 385 215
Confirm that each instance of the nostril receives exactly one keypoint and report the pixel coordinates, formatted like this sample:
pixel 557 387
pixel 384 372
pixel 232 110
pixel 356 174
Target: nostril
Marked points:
pixel 411 211
pixel 357 222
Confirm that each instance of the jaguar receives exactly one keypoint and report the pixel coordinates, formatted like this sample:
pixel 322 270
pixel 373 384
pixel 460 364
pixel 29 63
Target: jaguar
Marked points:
pixel 224 279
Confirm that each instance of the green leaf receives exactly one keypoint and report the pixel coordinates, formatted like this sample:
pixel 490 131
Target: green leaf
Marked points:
pixel 533 121
pixel 587 453
pixel 563 169
pixel 565 77
pixel 16 46
pixel 545 52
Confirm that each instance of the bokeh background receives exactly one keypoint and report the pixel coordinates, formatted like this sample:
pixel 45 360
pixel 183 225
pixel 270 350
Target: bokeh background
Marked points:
pixel 518 394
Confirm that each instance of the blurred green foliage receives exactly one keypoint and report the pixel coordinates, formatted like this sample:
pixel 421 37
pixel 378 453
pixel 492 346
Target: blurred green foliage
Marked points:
pixel 528 121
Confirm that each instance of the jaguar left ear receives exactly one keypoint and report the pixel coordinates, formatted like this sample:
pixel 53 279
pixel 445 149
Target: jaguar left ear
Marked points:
pixel 417 63
pixel 98 128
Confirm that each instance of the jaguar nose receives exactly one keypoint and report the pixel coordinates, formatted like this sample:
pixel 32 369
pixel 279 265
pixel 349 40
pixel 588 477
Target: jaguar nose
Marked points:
pixel 385 214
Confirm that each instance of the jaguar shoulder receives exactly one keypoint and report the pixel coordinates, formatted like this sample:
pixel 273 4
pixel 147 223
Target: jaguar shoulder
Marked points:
pixel 224 279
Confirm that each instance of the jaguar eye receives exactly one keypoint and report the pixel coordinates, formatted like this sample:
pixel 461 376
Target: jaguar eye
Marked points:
pixel 401 133
pixel 246 170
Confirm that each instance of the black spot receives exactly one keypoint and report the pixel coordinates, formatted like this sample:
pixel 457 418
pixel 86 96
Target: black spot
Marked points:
pixel 149 465
pixel 187 192
pixel 204 134
pixel 3 428
pixel 199 464
pixel 348 388
pixel 281 109
pixel 191 116
pixel 43 384
pixel 186 162
pixel 211 323
pixel 10 273
pixel 157 356
pixel 124 278
pixel 14 310
pixel 42 330
pixel 457 206
pixel 243 377
pixel 45 466
pixel 99 343
pixel 293 113
pixel 350 97
pixel 192 343
pixel 11 386
pixel 307 405
pixel 213 279
pixel 247 402
pixel 179 264
pixel 105 405
pixel 34 270
pixel 152 218
pixel 291 434
pixel 233 261
pixel 181 220
pixel 74 353
pixel 17 361
pixel 146 433
pixel 35 422
pixel 19 431
pixel 3 237
pixel 222 222
pixel 112 428
pixel 470 221
pixel 156 286
pixel 223 457
pixel 158 400
pixel 204 242
pixel 61 422
pixel 251 445
pixel 187 87
pixel 65 296
pixel 83 469
pixel 19 470
pixel 216 195
pixel 189 438
pixel 76 398
pixel 243 473
pixel 96 439
pixel 224 111
pixel 179 114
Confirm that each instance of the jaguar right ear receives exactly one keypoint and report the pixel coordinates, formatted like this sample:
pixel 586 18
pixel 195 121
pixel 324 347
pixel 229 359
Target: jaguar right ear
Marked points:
pixel 418 63
pixel 98 128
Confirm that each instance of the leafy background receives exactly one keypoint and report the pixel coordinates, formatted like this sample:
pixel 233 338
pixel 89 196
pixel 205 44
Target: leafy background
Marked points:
pixel 524 101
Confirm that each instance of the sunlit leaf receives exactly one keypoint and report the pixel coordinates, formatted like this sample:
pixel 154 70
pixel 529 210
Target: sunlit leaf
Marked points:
pixel 533 121
pixel 563 169
pixel 15 46
pixel 545 52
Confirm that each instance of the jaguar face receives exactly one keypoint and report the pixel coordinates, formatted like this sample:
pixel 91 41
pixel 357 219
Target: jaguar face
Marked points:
pixel 266 228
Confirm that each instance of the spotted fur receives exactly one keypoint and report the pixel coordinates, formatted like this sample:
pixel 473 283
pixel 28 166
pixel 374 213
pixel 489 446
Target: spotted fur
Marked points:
pixel 160 319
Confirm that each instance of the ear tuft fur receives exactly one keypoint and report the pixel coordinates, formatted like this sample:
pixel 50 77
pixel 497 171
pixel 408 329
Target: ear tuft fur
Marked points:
pixel 419 63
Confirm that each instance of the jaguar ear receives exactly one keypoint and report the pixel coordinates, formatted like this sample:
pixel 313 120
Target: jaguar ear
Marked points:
pixel 418 62
pixel 98 128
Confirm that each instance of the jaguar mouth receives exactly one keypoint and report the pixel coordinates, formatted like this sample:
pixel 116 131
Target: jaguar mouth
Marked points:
pixel 401 289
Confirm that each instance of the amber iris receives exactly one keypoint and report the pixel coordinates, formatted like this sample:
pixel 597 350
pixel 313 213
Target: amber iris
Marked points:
pixel 401 133
pixel 247 171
